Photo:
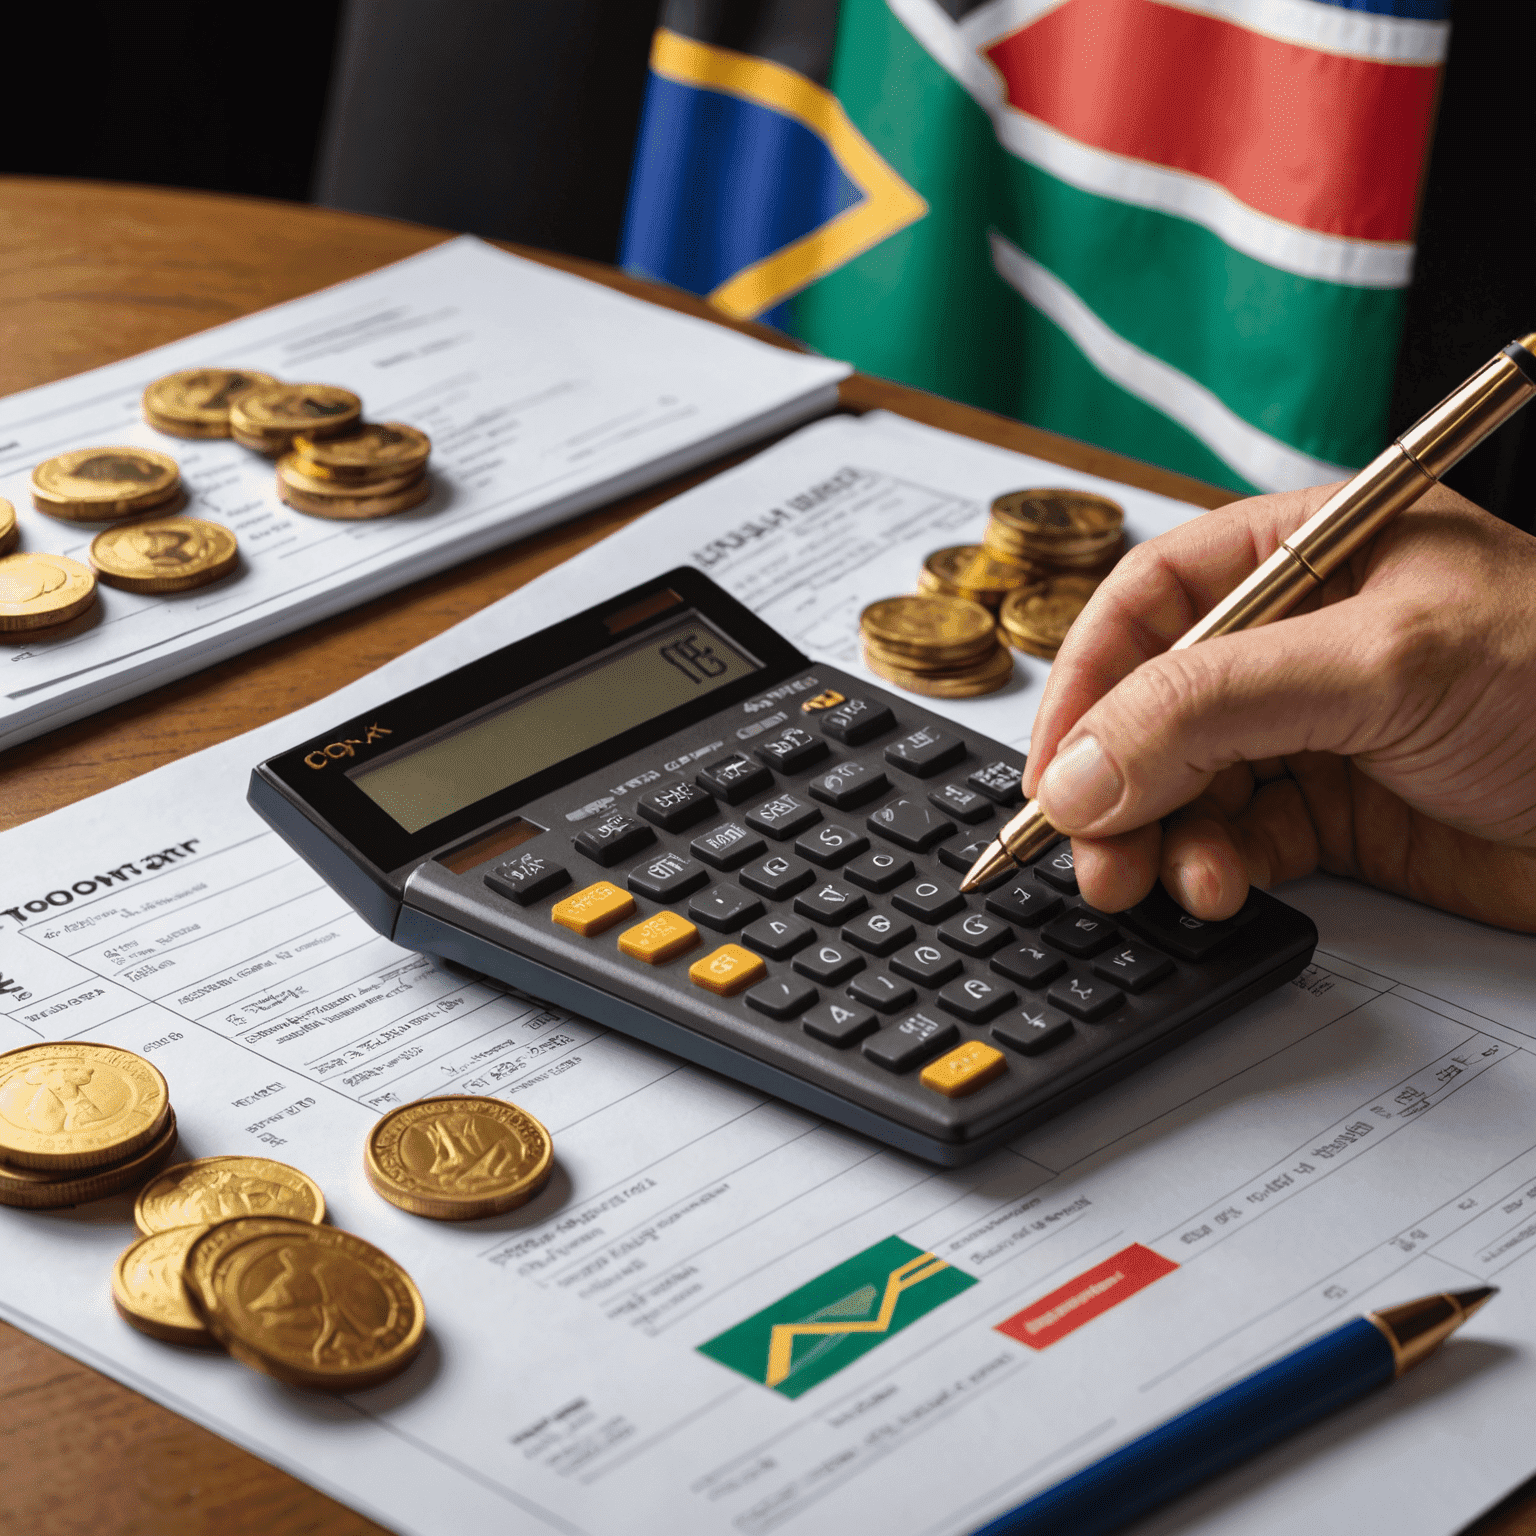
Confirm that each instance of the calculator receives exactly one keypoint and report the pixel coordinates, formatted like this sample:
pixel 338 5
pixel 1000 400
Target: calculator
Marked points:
pixel 659 815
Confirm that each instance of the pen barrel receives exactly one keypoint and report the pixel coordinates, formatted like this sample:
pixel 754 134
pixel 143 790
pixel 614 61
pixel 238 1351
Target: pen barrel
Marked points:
pixel 1467 415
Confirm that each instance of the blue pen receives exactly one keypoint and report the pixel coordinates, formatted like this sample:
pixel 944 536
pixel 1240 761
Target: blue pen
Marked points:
pixel 1319 1377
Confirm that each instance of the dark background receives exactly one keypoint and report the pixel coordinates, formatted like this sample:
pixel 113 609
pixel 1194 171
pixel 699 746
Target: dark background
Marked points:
pixel 519 120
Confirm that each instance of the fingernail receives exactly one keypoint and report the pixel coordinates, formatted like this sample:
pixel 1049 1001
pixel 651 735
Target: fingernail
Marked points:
pixel 1079 785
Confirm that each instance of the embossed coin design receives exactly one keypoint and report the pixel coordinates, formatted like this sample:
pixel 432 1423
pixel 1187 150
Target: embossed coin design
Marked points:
pixel 167 554
pixel 196 401
pixel 938 630
pixel 36 1190
pixel 972 572
pixel 458 1157
pixel 376 450
pixel 1037 620
pixel 40 591
pixel 71 1105
pixel 148 1292
pixel 267 418
pixel 100 484
pixel 213 1189
pixel 9 532
pixel 1057 529
pixel 310 1305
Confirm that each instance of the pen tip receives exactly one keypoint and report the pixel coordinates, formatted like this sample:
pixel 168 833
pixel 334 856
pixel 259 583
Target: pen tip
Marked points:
pixel 1470 1301
pixel 995 860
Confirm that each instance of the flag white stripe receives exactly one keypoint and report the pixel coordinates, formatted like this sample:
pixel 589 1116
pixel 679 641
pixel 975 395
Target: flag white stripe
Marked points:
pixel 1259 458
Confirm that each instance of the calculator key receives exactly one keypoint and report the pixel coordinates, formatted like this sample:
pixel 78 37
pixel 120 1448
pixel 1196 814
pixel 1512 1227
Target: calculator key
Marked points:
pixel 659 938
pixel 964 1069
pixel 675 806
pixel 724 908
pixel 917 1037
pixel 827 699
pixel 830 845
pixel 1028 964
pixel 925 751
pixel 613 838
pixel 668 877
pixel 881 991
pixel 1085 997
pixel 1080 932
pixel 856 721
pixel 962 854
pixel 912 823
pixel 778 937
pixel 1058 869
pixel 792 750
pixel 1166 923
pixel 777 876
pixel 727 846
pixel 840 1024
pixel 783 816
pixel 975 933
pixel 931 900
pixel 526 878
pixel 1132 966
pixel 727 971
pixel 1023 900
pixel 961 803
pixel 878 932
pixel 734 778
pixel 593 909
pixel 782 998
pixel 878 871
pixel 975 999
pixel 1001 781
pixel 930 964
pixel 830 902
pixel 1032 1030
pixel 845 785
pixel 829 963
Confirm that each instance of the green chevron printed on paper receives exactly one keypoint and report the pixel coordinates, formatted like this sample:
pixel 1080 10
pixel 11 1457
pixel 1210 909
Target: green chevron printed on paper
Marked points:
pixel 831 1321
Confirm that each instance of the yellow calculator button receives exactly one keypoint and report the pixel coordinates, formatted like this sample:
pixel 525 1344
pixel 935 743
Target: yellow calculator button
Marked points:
pixel 660 938
pixel 590 911
pixel 963 1070
pixel 728 971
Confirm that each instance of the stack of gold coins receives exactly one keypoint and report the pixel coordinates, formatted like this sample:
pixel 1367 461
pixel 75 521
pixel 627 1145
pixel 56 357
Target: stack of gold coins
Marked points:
pixel 1054 531
pixel 971 571
pixel 368 471
pixel 267 418
pixel 1036 619
pixel 168 554
pixel 10 534
pixel 101 485
pixel 79 1121
pixel 196 401
pixel 458 1157
pixel 944 647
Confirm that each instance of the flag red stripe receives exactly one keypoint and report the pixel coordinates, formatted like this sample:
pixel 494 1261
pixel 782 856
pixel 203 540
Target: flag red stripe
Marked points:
pixel 1330 143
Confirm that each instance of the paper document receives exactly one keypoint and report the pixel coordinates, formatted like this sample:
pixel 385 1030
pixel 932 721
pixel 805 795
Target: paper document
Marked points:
pixel 724 1317
pixel 544 395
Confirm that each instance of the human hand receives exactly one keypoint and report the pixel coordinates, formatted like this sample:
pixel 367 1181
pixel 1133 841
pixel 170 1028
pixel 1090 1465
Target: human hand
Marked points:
pixel 1386 730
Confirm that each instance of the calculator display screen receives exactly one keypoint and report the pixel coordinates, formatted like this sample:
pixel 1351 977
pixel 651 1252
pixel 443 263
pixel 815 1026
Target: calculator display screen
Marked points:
pixel 524 733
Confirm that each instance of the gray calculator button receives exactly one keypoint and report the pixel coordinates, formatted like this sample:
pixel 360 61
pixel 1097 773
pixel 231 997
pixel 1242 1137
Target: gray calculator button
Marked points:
pixel 830 845
pixel 1028 964
pixel 856 721
pixel 613 838
pixel 724 908
pixel 783 816
pixel 778 876
pixel 778 937
pixel 845 785
pixel 975 933
pixel 879 871
pixel 781 998
pixel 526 878
pixel 829 902
pixel 916 1038
pixel 1085 996
pixel 930 964
pixel 1132 966
pixel 878 932
pixel 734 778
pixel 1058 869
pixel 1032 1030
pixel 675 806
pixel 727 846
pixel 1001 781
pixel 963 804
pixel 840 1024
pixel 925 751
pixel 795 748
pixel 1080 932
pixel 1023 900
pixel 912 823
pixel 829 963
pixel 927 898
pixel 975 999
pixel 881 991
pixel 668 877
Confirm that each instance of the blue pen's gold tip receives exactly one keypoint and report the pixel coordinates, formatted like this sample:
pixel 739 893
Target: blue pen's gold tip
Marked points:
pixel 1470 1301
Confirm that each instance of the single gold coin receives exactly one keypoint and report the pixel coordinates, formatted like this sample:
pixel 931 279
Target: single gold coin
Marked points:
pixel 97 484
pixel 310 1305
pixel 10 534
pixel 294 471
pixel 210 1189
pixel 69 1104
pixel 458 1157
pixel 971 571
pixel 40 591
pixel 168 554
pixel 994 671
pixel 376 450
pixel 266 418
pixel 1060 516
pixel 933 629
pixel 36 1190
pixel 195 402
pixel 355 508
pixel 1037 619
pixel 147 1289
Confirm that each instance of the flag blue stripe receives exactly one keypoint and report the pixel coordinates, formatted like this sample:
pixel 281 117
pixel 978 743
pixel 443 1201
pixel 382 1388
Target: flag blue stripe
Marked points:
pixel 1408 10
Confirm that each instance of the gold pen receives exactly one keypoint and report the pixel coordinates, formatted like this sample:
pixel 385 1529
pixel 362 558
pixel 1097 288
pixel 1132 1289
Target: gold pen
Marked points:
pixel 1356 512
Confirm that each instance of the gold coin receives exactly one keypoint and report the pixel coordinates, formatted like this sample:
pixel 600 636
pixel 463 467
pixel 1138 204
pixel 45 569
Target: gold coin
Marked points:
pixel 10 534
pixel 1037 619
pixel 932 629
pixel 994 671
pixel 40 591
pixel 147 1289
pixel 355 508
pixel 293 470
pixel 267 418
pixel 70 1104
pixel 164 554
pixel 310 1305
pixel 972 572
pixel 1059 516
pixel 196 401
pixel 96 484
pixel 211 1189
pixel 458 1157
pixel 36 1190
pixel 375 450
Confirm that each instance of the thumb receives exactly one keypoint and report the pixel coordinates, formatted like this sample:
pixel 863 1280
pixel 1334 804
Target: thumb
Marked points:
pixel 1311 683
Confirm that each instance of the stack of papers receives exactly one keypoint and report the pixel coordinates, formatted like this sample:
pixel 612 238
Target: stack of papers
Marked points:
pixel 544 395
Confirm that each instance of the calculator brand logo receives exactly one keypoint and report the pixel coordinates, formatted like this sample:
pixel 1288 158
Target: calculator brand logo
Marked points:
pixel 346 747
pixel 814 1332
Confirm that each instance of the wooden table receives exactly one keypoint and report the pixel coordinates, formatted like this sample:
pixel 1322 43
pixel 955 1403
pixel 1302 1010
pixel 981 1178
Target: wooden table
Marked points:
pixel 91 273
